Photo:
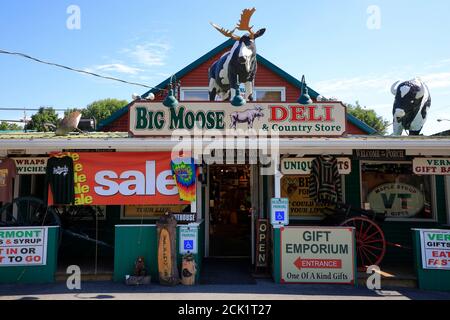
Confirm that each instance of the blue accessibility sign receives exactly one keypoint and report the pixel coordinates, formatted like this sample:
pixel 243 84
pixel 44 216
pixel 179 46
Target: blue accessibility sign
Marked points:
pixel 279 215
pixel 188 244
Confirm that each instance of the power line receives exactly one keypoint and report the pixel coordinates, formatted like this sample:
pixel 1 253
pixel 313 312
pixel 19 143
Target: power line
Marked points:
pixel 31 109
pixel 26 56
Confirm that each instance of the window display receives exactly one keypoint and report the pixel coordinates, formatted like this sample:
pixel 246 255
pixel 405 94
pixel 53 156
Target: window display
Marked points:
pixel 393 189
pixel 301 204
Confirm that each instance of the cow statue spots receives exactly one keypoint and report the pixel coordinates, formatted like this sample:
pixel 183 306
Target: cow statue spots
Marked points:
pixel 412 101
pixel 237 65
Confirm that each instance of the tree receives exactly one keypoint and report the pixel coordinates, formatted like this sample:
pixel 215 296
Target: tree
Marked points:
pixel 103 109
pixel 368 116
pixel 41 118
pixel 6 126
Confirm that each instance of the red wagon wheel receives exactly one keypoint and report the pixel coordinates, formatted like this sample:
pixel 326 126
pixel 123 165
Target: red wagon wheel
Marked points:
pixel 370 241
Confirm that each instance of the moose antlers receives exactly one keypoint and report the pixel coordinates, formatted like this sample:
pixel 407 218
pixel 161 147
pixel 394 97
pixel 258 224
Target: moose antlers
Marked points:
pixel 243 25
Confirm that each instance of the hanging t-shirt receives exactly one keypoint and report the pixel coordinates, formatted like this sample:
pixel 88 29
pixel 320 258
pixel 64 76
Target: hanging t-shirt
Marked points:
pixel 59 175
pixel 325 184
pixel 8 171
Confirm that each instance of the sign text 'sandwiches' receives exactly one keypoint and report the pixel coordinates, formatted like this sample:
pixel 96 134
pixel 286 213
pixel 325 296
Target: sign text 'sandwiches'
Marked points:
pixel 317 255
pixel 319 119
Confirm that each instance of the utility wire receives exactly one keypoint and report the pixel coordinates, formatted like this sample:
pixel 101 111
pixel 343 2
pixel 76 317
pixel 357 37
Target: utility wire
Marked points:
pixel 23 55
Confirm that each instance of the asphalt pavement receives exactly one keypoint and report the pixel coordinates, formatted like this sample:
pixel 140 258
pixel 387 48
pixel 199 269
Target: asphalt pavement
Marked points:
pixel 264 289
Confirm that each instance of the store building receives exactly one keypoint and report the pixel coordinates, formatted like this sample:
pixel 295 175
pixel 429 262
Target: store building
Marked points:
pixel 397 176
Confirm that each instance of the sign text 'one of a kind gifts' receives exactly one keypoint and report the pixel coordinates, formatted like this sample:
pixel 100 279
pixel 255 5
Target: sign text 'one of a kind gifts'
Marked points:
pixel 317 255
pixel 124 178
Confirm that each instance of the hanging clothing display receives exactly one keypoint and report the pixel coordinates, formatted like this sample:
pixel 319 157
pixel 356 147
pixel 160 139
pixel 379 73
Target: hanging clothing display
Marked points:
pixel 8 172
pixel 325 184
pixel 60 177
pixel 185 174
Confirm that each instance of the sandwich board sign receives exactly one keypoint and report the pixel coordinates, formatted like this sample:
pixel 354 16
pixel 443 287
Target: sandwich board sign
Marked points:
pixel 279 211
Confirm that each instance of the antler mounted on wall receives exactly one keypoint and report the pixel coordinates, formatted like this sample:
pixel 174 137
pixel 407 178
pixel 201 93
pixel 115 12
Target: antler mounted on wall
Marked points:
pixel 243 25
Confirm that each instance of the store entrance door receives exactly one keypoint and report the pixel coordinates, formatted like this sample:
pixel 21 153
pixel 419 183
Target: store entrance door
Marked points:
pixel 230 203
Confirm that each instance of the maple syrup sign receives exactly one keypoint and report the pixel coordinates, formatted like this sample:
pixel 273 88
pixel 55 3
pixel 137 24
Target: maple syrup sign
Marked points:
pixel 286 119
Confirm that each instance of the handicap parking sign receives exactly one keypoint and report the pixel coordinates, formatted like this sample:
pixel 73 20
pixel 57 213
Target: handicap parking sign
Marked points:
pixel 279 211
pixel 188 245
pixel 279 215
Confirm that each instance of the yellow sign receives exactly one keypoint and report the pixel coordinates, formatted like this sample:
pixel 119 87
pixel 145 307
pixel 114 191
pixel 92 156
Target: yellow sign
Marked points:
pixel 296 189
pixel 317 255
pixel 149 212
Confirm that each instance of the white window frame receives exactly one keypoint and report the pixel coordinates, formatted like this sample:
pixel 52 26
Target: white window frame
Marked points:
pixel 281 89
pixel 183 89
pixel 390 219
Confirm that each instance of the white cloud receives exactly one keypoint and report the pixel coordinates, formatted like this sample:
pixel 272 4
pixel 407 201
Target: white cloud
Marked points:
pixel 149 54
pixel 115 67
pixel 437 80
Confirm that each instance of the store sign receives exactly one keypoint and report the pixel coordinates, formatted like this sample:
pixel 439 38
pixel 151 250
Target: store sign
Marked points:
pixel 279 211
pixel 302 166
pixel 149 211
pixel 124 178
pixel 431 166
pixel 188 242
pixel 23 246
pixel 262 232
pixel 319 119
pixel 31 165
pixel 435 249
pixel 317 255
pixel 398 200
pixel 379 154
pixel 296 189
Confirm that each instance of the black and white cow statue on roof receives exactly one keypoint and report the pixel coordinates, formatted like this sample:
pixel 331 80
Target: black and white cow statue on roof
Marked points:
pixel 237 65
pixel 412 101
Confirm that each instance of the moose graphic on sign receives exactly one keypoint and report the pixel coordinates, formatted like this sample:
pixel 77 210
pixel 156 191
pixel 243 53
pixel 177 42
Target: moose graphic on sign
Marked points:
pixel 248 116
pixel 237 65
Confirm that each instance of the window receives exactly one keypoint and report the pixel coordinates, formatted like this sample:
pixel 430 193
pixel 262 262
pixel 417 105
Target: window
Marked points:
pixel 262 94
pixel 301 205
pixel 393 189
pixel 194 94
pixel 270 94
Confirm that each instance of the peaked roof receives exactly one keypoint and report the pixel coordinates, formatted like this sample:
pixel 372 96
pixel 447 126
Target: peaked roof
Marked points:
pixel 229 43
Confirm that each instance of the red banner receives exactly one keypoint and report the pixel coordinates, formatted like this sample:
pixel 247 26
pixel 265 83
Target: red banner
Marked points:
pixel 123 178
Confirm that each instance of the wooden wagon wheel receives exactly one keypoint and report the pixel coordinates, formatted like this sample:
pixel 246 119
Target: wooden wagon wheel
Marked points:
pixel 370 241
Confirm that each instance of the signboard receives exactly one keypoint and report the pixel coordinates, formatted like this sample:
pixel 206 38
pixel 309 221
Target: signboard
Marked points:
pixel 188 240
pixel 279 211
pixel 379 154
pixel 302 166
pixel 317 255
pixel 124 178
pixel 149 211
pixel 435 249
pixel 31 165
pixel 430 166
pixel 296 189
pixel 23 246
pixel 399 200
pixel 262 231
pixel 318 119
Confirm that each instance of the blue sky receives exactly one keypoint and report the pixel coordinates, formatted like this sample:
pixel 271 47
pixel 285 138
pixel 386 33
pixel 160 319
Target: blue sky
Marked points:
pixel 146 41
